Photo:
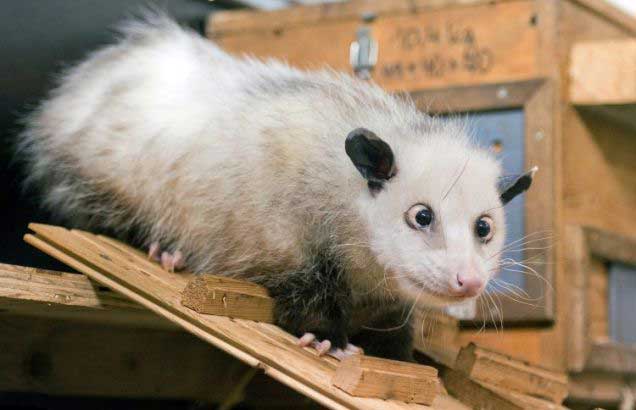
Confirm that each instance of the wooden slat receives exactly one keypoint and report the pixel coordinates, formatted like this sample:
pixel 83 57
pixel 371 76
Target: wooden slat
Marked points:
pixel 484 396
pixel 611 13
pixel 603 72
pixel 601 389
pixel 493 368
pixel 45 293
pixel 366 376
pixel 611 357
pixel 611 246
pixel 216 295
pixel 603 79
pixel 160 291
pixel 577 262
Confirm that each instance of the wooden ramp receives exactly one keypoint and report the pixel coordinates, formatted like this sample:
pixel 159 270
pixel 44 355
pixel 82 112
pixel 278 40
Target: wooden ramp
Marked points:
pixel 261 345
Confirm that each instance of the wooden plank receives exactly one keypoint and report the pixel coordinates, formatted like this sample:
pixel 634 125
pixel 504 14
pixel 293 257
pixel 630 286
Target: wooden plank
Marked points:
pixel 240 21
pixel 45 293
pixel 366 376
pixel 457 46
pixel 611 14
pixel 488 397
pixel 611 357
pixel 597 294
pixel 603 72
pixel 496 369
pixel 611 246
pixel 576 266
pixel 475 98
pixel 160 291
pixel 603 79
pixel 601 389
pixel 216 295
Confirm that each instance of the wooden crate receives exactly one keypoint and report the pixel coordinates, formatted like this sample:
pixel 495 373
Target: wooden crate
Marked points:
pixel 481 55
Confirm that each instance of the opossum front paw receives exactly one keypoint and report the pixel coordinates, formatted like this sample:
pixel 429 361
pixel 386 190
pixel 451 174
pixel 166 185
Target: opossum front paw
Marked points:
pixel 324 347
pixel 169 261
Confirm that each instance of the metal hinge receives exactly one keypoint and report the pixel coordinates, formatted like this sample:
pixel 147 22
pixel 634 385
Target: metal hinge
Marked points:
pixel 363 53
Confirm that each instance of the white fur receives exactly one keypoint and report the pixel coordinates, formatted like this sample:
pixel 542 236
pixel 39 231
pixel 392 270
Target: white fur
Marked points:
pixel 241 164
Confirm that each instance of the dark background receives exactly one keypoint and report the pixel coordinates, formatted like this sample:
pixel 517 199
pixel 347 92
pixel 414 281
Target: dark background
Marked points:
pixel 37 39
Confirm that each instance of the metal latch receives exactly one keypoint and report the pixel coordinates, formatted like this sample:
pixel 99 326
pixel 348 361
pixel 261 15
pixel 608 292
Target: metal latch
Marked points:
pixel 363 53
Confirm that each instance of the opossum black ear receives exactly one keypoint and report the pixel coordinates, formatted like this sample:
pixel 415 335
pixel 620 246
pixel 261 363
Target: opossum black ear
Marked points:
pixel 371 155
pixel 510 187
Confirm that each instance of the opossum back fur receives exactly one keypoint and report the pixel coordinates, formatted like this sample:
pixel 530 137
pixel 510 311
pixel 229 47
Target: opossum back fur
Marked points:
pixel 239 163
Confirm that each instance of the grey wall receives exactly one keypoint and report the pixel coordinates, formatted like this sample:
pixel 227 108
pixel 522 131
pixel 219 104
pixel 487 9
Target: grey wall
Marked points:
pixel 37 39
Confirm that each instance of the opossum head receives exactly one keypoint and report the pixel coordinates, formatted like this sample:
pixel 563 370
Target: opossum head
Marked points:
pixel 432 208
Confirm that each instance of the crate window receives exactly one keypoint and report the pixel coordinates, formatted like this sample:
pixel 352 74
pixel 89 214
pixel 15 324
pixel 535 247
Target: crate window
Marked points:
pixel 622 302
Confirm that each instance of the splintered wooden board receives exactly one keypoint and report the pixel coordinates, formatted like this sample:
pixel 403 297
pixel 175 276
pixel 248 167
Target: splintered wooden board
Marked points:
pixel 127 271
pixel 479 395
pixel 496 369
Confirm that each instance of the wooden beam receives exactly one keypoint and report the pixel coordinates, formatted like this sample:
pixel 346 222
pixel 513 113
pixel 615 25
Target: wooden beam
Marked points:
pixel 45 293
pixel 603 79
pixel 365 376
pixel 496 369
pixel 216 295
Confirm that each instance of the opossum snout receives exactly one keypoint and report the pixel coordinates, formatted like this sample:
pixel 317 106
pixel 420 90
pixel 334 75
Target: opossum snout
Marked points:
pixel 466 285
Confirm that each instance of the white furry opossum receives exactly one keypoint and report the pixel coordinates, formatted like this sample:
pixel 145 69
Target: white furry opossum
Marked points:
pixel 344 201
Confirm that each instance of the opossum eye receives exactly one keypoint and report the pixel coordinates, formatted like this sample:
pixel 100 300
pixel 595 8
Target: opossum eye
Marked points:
pixel 483 228
pixel 419 216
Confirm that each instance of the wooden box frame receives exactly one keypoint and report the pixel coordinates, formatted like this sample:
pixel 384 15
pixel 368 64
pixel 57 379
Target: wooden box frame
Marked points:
pixel 588 351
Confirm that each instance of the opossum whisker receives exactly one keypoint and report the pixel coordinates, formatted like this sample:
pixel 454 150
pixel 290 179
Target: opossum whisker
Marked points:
pixel 512 288
pixel 404 323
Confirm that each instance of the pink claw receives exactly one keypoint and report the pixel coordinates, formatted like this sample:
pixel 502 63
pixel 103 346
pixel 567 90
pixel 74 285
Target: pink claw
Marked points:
pixel 322 347
pixel 306 339
pixel 353 349
pixel 348 351
pixel 153 251
pixel 167 261
pixel 178 261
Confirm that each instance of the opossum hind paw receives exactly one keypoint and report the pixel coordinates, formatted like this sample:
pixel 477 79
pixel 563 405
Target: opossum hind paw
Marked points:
pixel 324 347
pixel 171 262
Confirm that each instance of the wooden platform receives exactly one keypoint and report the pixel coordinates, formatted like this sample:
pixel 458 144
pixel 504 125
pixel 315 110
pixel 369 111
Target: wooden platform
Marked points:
pixel 260 345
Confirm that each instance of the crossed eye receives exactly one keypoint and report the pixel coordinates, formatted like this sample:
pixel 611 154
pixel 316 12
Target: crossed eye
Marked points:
pixel 421 216
pixel 483 228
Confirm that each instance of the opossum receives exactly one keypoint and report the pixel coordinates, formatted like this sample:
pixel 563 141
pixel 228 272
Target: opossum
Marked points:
pixel 347 203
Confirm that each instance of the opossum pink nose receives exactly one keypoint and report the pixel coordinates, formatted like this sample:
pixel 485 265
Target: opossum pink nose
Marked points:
pixel 467 285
